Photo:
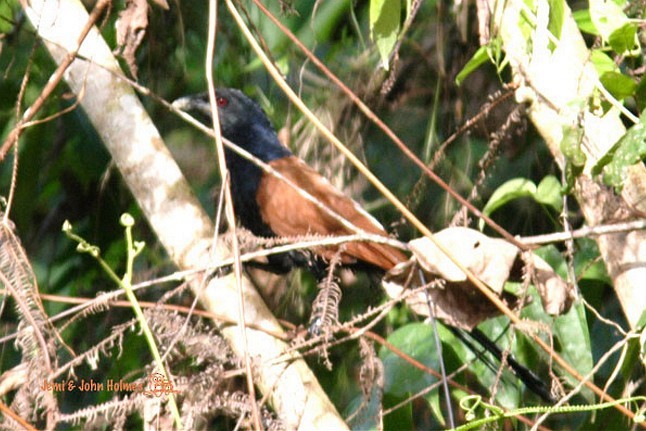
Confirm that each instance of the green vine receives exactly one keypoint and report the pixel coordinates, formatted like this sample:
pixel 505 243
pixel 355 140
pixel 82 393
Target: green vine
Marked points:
pixel 133 249
pixel 472 402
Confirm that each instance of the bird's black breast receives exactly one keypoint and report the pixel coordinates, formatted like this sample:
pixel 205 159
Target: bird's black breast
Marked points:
pixel 245 179
pixel 256 136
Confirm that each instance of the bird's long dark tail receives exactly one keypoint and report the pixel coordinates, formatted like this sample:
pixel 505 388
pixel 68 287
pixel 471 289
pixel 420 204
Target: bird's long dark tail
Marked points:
pixel 531 380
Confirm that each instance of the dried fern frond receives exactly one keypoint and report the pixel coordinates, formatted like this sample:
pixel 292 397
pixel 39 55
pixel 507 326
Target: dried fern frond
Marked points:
pixel 325 308
pixel 36 337
pixel 371 378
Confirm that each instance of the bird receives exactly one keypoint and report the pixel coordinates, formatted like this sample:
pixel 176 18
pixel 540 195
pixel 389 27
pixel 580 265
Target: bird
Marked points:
pixel 268 207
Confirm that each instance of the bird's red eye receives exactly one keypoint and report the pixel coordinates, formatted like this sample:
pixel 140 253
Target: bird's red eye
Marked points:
pixel 221 102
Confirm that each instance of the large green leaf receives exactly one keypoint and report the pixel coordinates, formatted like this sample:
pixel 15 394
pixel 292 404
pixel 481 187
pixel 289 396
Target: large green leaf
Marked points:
pixel 571 329
pixel 417 341
pixel 510 190
pixel 602 62
pixel 588 264
pixel 549 193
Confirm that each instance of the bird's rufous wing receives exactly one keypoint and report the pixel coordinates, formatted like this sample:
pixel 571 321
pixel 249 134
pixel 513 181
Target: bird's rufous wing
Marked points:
pixel 289 213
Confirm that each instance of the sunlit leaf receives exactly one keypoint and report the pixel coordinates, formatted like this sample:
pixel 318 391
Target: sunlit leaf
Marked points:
pixel 384 26
pixel 606 16
pixel 623 39
pixel 556 18
pixel 619 85
pixel 602 62
pixel 584 22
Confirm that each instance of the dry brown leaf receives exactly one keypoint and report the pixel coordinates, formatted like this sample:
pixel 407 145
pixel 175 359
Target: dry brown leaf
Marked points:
pixel 458 302
pixel 556 294
pixel 489 259
pixel 131 28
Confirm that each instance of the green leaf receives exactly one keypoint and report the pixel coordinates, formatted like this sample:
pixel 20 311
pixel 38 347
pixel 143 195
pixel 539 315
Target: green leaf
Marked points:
pixel 629 150
pixel 402 418
pixel 571 146
pixel 607 16
pixel 549 193
pixel 640 94
pixel 510 190
pixel 571 329
pixel 641 323
pixel 384 26
pixel 401 378
pixel 619 85
pixel 478 59
pixel 588 264
pixel 602 62
pixel 556 18
pixel 635 352
pixel 368 408
pixel 6 25
pixel 623 40
pixel 584 22
pixel 497 54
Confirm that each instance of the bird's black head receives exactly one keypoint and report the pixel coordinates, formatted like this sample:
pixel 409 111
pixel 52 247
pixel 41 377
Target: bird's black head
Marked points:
pixel 242 121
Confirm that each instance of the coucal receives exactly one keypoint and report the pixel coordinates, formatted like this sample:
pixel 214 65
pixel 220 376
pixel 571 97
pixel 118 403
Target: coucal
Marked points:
pixel 269 207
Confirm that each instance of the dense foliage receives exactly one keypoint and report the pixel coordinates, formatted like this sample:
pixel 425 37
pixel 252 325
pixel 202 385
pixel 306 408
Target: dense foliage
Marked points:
pixel 402 59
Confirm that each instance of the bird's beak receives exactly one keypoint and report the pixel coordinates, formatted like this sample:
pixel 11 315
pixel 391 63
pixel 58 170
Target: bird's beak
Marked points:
pixel 183 103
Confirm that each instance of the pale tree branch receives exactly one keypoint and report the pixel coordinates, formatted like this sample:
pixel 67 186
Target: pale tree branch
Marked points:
pixel 557 86
pixel 174 213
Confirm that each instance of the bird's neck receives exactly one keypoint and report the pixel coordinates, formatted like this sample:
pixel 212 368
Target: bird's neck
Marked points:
pixel 259 140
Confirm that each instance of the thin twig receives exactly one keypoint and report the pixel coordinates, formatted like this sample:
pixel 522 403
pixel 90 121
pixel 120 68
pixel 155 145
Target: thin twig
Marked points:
pixel 14 416
pixel 585 232
pixel 229 212
pixel 585 379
